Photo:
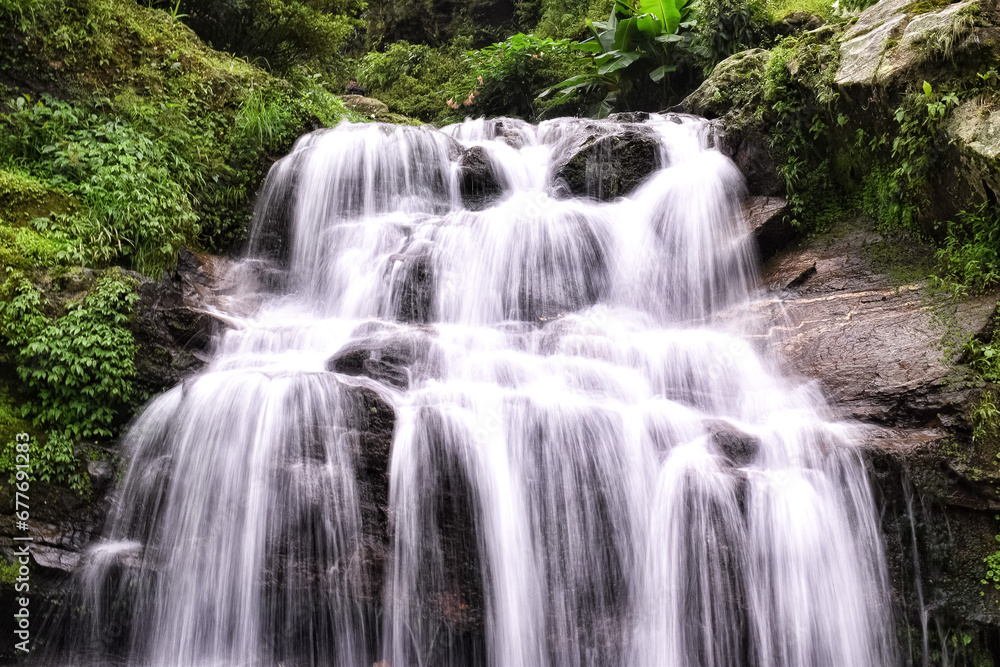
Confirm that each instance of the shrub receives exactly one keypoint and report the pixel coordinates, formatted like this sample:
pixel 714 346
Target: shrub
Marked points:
pixel 505 79
pixel 413 79
pixel 134 188
pixel 725 27
pixel 77 369
pixel 969 258
pixel 281 33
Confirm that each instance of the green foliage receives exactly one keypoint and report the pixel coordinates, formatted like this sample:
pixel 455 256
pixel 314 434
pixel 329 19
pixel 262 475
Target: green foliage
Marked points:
pixel 413 79
pixel 134 188
pixel 506 78
pixel 437 24
pixel 806 132
pixel 145 81
pixel 22 11
pixel 567 19
pixel 725 27
pixel 265 120
pixel 280 33
pixel 992 567
pixel 77 368
pixel 915 151
pixel 969 258
pixel 984 358
pixel 779 9
pixel 642 39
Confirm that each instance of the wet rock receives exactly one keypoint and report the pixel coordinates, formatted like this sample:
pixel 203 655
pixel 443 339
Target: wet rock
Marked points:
pixel 101 474
pixel 738 447
pixel 478 180
pixel 732 93
pixel 610 166
pixel 768 220
pixel 373 424
pixel 874 346
pixel 413 284
pixel 172 324
pixel 629 117
pixel 387 358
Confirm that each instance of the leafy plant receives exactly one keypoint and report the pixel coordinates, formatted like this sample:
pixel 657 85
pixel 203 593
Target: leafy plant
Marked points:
pixel 77 368
pixel 506 78
pixel 969 259
pixel 725 27
pixel 414 79
pixel 640 39
pixel 281 33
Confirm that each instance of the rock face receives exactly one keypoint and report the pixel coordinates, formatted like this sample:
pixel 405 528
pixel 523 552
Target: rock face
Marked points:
pixel 62 525
pixel 611 165
pixel 889 42
pixel 386 356
pixel 768 221
pixel 874 347
pixel 971 170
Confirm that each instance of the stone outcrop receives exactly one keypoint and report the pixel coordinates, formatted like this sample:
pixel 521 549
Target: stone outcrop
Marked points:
pixel 174 320
pixel 768 220
pixel 607 166
pixel 732 94
pixel 971 162
pixel 887 353
pixel 891 45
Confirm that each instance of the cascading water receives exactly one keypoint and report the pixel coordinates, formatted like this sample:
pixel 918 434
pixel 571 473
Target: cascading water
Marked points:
pixel 592 461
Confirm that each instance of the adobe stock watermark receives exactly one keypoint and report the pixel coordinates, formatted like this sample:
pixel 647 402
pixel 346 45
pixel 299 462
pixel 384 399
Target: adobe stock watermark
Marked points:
pixel 22 555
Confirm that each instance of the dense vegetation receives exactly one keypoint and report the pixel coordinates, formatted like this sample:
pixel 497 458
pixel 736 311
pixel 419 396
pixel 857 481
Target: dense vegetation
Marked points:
pixel 123 139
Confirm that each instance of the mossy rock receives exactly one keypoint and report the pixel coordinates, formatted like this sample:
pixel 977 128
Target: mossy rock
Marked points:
pixel 24 198
pixel 897 43
pixel 734 85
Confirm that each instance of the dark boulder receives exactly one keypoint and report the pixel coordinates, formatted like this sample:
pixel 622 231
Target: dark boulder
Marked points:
pixel 172 324
pixel 768 221
pixel 607 166
pixel 477 179
pixel 411 274
pixel 386 357
pixel 738 447
pixel 372 423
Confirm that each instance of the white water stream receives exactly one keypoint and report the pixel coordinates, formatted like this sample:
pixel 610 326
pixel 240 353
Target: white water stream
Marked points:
pixel 593 464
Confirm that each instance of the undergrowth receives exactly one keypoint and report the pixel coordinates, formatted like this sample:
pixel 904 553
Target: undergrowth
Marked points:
pixel 75 369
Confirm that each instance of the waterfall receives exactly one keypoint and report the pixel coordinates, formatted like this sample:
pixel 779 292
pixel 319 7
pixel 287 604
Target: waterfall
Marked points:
pixel 595 459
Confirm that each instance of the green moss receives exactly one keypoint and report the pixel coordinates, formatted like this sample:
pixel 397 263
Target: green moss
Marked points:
pixel 24 198
pixel 8 572
pixel 779 9
pixel 926 6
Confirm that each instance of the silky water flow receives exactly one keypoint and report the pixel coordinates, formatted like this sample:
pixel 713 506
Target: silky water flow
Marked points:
pixel 594 459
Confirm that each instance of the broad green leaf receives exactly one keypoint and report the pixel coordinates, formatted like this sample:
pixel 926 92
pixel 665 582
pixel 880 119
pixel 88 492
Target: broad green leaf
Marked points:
pixel 661 71
pixel 619 62
pixel 667 12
